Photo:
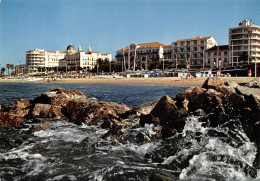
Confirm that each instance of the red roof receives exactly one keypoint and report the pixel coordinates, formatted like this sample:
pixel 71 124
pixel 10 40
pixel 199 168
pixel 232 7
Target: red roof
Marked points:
pixel 197 38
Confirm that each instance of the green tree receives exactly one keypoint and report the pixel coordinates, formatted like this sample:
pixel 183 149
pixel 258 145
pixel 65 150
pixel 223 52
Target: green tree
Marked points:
pixel 2 71
pixel 8 67
pixel 11 67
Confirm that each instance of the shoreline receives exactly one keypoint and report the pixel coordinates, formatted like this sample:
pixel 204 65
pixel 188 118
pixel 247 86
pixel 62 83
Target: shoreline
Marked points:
pixel 155 80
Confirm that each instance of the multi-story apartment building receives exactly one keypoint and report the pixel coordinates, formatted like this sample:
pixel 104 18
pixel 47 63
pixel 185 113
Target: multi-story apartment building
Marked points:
pixel 37 59
pixel 244 39
pixel 82 59
pixel 189 51
pixel 138 54
pixel 217 57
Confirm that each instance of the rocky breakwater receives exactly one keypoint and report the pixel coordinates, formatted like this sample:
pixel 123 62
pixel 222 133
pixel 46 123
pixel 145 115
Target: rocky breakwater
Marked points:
pixel 215 103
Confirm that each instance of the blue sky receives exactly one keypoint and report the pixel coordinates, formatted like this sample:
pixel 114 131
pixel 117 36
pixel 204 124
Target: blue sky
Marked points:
pixel 107 25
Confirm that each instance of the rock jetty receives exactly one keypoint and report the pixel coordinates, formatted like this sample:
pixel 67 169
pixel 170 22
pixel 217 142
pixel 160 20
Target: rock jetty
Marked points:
pixel 215 103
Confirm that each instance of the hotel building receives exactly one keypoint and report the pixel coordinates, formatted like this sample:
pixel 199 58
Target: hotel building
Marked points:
pixel 37 59
pixel 138 54
pixel 244 39
pixel 82 59
pixel 189 51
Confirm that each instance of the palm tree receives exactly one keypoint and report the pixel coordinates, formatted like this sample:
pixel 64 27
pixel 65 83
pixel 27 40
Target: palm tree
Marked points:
pixel 11 67
pixel 243 57
pixel 8 67
pixel 2 71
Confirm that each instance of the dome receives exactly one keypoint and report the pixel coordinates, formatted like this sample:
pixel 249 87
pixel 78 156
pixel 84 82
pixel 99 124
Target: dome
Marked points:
pixel 70 47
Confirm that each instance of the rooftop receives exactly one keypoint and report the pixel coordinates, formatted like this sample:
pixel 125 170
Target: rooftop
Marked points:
pixel 197 38
pixel 146 45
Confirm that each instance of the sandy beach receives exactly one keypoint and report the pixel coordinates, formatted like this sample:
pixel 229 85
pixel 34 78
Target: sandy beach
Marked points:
pixel 160 80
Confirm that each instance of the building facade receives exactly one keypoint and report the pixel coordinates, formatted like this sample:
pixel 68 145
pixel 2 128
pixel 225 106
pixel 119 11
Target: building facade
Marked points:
pixel 86 60
pixel 21 69
pixel 37 60
pixel 138 55
pixel 217 57
pixel 244 43
pixel 190 52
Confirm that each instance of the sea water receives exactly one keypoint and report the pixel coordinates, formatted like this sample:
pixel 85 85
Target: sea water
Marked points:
pixel 79 152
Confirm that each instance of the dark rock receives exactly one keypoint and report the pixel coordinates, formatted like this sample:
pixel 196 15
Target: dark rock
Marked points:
pixel 146 119
pixel 200 113
pixel 146 108
pixel 19 108
pixel 58 97
pixel 142 138
pixel 47 111
pixel 39 127
pixel 226 91
pixel 160 177
pixel 217 119
pixel 41 110
pixel 11 137
pixel 87 144
pixel 163 111
pixel 7 119
pixel 212 83
pixel 90 111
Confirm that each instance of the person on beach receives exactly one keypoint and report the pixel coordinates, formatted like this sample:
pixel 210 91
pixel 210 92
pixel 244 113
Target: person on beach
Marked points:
pixel 249 73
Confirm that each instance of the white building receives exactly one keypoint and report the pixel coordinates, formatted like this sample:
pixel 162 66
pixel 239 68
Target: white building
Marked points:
pixel 217 56
pixel 39 59
pixel 244 39
pixel 137 55
pixel 189 51
pixel 86 60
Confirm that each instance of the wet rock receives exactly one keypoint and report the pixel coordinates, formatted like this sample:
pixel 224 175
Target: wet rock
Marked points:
pixel 200 113
pixel 163 109
pixel 11 138
pixel 226 91
pixel 20 108
pixel 146 119
pixel 213 82
pixel 7 120
pixel 87 144
pixel 115 133
pixel 142 138
pixel 191 94
pixel 160 177
pixel 254 83
pixel 91 111
pixel 58 97
pixel 47 111
pixel 129 123
pixel 146 108
pixel 39 127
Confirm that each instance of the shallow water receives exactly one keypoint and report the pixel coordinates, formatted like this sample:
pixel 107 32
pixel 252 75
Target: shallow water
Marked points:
pixel 79 152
